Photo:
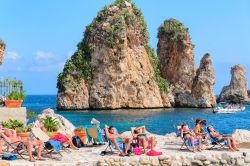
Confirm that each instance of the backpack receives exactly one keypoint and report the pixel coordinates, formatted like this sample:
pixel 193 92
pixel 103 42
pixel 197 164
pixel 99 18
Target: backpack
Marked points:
pixel 77 142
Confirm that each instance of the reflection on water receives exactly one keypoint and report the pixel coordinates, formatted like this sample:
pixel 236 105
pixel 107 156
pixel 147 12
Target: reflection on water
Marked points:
pixel 159 121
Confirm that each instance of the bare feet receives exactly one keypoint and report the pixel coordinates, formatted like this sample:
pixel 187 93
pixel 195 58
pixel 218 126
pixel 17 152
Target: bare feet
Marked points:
pixel 236 149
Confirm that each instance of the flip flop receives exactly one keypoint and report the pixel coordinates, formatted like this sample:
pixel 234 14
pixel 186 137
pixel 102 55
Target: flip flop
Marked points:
pixel 41 159
pixel 32 160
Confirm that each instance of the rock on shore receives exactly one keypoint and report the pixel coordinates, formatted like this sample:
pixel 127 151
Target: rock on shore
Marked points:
pixel 236 91
pixel 65 126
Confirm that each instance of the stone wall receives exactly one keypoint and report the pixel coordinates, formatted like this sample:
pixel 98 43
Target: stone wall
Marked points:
pixel 224 159
pixel 13 113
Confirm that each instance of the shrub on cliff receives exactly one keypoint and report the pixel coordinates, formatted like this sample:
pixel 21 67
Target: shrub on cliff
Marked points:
pixel 2 44
pixel 175 30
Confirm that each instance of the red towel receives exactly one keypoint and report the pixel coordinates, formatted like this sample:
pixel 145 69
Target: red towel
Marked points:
pixel 154 153
pixel 59 137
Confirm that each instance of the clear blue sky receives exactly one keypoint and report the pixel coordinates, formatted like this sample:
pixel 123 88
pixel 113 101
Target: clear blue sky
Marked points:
pixel 41 35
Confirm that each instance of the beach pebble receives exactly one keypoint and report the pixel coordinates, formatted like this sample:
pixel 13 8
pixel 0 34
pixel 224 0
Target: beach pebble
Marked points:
pixel 207 163
pixel 200 157
pixel 196 162
pixel 144 160
pixel 155 162
pixel 240 162
pixel 247 159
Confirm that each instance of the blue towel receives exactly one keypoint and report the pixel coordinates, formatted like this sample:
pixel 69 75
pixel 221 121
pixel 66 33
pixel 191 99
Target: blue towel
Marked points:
pixel 56 145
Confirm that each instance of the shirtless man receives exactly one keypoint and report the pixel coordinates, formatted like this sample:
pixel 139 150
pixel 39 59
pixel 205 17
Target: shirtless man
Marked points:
pixel 116 138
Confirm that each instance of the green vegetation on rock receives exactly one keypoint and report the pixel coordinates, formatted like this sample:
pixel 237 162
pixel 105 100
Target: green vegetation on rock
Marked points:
pixel 2 44
pixel 107 29
pixel 175 30
pixel 161 82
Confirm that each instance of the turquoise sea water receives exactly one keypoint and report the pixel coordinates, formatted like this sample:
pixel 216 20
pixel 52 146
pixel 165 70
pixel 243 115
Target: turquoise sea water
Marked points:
pixel 159 121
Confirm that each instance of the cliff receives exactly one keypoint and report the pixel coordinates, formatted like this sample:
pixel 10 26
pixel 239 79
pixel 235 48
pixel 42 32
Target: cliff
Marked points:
pixel 190 88
pixel 236 91
pixel 113 66
pixel 2 48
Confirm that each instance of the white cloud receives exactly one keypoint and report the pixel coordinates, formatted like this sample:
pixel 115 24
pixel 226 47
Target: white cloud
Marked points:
pixel 48 68
pixel 42 55
pixel 12 55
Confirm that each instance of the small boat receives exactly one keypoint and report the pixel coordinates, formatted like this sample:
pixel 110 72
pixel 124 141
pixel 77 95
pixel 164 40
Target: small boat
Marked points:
pixel 225 108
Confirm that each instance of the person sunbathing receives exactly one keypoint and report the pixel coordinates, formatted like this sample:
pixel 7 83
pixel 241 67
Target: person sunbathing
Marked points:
pixel 10 136
pixel 199 130
pixel 117 138
pixel 140 133
pixel 221 137
pixel 188 134
pixel 68 138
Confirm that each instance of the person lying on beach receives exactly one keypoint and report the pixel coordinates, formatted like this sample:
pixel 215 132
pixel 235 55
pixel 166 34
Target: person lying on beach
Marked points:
pixel 230 140
pixel 67 136
pixel 141 134
pixel 116 138
pixel 188 134
pixel 199 130
pixel 10 136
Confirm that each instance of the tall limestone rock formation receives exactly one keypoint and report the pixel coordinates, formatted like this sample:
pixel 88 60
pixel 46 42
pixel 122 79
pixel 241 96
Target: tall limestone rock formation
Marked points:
pixel 236 91
pixel 2 48
pixel 113 66
pixel 176 63
pixel 203 83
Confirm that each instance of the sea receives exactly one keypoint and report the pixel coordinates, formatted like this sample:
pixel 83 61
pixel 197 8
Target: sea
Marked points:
pixel 158 121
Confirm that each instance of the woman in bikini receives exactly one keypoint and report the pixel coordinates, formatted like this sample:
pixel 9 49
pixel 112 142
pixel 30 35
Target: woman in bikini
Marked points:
pixel 188 134
pixel 141 134
pixel 199 131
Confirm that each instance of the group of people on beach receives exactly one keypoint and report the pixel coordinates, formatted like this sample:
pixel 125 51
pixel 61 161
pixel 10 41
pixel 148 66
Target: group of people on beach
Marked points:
pixel 139 134
pixel 201 136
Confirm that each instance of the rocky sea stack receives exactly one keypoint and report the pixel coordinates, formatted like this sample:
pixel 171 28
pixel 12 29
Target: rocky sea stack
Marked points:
pixel 2 48
pixel 176 63
pixel 113 67
pixel 236 91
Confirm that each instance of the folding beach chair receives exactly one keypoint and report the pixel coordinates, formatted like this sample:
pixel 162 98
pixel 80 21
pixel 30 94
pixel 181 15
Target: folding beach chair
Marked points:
pixel 217 144
pixel 48 148
pixel 111 146
pixel 18 148
pixel 186 144
pixel 94 135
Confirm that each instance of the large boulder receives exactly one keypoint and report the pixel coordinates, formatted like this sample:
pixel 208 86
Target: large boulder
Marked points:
pixel 65 126
pixel 236 91
pixel 114 64
pixel 203 83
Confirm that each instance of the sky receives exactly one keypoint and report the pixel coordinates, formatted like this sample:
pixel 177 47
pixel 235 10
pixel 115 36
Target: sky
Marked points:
pixel 41 35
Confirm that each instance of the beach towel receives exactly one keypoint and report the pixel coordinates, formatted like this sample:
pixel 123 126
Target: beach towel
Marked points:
pixel 55 144
pixel 154 153
pixel 59 137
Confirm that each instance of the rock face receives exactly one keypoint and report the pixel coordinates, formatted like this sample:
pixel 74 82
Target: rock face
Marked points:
pixel 2 48
pixel 176 63
pixel 176 57
pixel 75 96
pixel 112 67
pixel 203 83
pixel 237 90
pixel 65 126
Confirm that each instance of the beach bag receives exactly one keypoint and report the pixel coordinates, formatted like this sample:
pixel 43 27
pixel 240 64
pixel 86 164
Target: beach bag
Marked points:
pixel 9 156
pixel 59 137
pixel 77 142
pixel 137 151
